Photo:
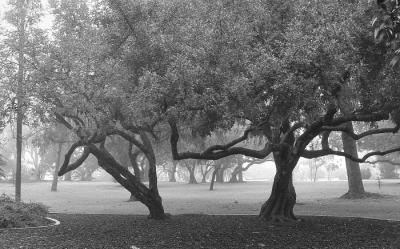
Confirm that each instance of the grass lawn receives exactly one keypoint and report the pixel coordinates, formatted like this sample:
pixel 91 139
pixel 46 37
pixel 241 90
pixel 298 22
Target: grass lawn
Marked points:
pixel 320 198
pixel 80 206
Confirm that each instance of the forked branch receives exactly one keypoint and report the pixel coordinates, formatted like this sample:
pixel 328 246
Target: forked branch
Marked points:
pixel 66 167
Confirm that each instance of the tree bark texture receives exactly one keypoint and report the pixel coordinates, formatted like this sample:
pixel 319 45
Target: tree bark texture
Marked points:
pixel 280 204
pixel 356 187
pixel 54 182
pixel 148 196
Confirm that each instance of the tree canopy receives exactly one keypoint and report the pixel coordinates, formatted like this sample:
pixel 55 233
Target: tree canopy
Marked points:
pixel 288 73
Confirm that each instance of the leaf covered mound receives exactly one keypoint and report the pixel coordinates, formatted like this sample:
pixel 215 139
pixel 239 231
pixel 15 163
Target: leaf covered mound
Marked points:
pixel 19 214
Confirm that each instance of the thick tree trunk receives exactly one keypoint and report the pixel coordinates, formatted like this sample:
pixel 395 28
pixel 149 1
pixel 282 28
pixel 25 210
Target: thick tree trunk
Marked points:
pixel 55 174
pixel 280 204
pixel 356 187
pixel 156 208
pixel 171 173
pixel 148 196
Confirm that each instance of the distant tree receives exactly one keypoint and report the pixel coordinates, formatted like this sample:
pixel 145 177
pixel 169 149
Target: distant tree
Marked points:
pixel 205 169
pixel 330 167
pixel 389 170
pixel 238 171
pixel 190 166
pixel 366 173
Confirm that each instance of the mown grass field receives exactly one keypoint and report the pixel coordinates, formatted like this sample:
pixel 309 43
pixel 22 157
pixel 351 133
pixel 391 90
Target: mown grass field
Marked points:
pixel 320 198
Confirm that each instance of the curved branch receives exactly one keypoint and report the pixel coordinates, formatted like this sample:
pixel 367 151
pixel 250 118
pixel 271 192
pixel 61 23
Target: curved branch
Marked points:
pixel 66 167
pixel 384 161
pixel 318 153
pixel 230 144
pixel 291 130
pixel 62 120
pixel 129 138
pixel 363 134
pixel 378 116
pixel 217 151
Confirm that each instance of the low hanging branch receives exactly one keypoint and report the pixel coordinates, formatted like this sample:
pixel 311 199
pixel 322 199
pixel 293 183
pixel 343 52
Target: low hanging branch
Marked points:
pixel 324 152
pixel 370 117
pixel 218 151
pixel 384 161
pixel 364 134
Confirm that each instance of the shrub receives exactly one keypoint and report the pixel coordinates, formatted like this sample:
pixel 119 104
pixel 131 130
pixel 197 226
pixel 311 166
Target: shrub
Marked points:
pixel 20 214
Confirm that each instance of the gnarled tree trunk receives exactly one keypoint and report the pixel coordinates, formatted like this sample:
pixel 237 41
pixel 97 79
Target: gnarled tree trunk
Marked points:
pixel 148 196
pixel 280 204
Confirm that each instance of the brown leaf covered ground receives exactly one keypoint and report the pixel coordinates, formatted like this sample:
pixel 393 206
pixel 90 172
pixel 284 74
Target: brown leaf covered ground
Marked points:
pixel 203 231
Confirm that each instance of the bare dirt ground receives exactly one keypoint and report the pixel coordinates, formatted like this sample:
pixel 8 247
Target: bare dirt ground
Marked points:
pixel 320 198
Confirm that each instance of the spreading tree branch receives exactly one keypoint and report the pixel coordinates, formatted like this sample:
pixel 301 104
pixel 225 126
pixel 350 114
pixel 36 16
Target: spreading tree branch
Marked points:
pixel 363 134
pixel 324 152
pixel 217 151
pixel 384 161
pixel 129 138
pixel 66 167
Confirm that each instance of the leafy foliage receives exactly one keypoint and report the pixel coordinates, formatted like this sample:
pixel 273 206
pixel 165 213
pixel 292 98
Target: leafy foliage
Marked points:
pixel 387 27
